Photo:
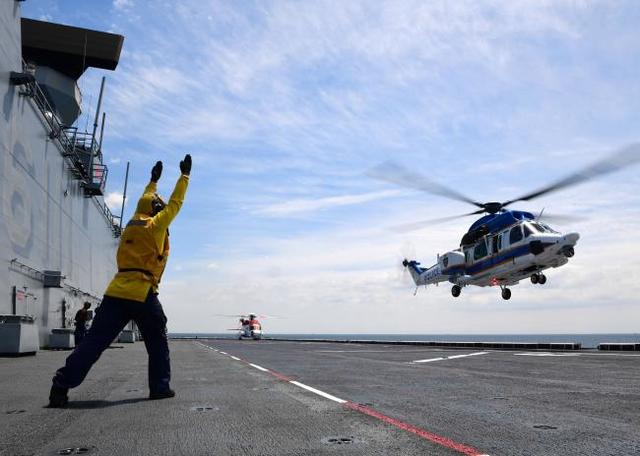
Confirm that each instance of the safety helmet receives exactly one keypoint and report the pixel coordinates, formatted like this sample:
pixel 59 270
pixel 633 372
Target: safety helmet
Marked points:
pixel 150 204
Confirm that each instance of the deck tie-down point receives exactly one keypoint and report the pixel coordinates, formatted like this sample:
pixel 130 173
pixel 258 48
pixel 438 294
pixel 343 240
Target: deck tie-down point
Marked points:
pixel 339 440
pixel 76 450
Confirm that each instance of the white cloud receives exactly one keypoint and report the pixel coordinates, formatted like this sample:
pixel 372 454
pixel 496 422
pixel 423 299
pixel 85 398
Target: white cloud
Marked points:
pixel 310 205
pixel 123 4
pixel 113 200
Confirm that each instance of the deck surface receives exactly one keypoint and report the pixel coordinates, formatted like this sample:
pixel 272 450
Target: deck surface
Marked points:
pixel 237 398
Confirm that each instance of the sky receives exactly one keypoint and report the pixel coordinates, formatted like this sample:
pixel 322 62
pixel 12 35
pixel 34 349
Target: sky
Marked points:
pixel 285 106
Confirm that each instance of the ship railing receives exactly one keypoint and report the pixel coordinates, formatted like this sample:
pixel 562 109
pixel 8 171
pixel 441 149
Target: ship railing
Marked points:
pixel 79 148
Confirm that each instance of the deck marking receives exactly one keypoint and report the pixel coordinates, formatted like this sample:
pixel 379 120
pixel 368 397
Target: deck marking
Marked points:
pixel 449 357
pixel 279 376
pixel 428 360
pixel 430 436
pixel 435 438
pixel 234 357
pixel 224 353
pixel 318 392
pixel 547 354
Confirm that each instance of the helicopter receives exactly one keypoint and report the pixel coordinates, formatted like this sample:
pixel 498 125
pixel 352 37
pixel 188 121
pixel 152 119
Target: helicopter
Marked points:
pixel 249 326
pixel 504 246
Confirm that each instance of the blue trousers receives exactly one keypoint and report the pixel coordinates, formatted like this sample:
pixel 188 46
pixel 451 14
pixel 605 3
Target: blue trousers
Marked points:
pixel 79 333
pixel 111 317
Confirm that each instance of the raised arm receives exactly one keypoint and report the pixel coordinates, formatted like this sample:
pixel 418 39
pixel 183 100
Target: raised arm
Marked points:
pixel 163 219
pixel 151 187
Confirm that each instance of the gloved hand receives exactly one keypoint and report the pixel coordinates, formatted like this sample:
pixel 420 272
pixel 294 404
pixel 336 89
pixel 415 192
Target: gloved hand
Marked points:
pixel 156 172
pixel 185 165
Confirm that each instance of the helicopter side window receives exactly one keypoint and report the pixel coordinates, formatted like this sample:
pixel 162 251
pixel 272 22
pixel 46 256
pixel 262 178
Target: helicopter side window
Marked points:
pixel 480 251
pixel 515 235
pixel 494 245
pixel 527 231
pixel 502 243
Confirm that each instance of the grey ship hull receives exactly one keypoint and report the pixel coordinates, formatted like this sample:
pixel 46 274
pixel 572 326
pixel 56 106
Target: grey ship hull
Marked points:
pixel 46 223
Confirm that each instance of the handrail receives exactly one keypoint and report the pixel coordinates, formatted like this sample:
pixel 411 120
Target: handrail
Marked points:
pixel 71 142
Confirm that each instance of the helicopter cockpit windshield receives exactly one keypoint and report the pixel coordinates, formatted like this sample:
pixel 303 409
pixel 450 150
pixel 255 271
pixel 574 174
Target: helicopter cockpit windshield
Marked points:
pixel 543 227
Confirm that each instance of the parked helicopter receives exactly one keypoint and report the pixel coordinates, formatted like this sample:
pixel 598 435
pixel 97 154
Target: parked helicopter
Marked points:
pixel 249 326
pixel 505 246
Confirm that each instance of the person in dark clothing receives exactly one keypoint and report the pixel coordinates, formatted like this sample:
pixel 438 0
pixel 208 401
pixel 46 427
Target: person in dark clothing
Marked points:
pixel 82 317
pixel 133 293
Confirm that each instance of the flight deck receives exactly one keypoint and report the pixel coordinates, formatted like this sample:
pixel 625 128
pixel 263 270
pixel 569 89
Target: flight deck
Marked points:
pixel 294 398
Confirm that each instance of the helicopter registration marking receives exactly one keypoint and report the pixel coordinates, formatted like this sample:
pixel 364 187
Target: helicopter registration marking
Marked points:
pixel 431 274
pixel 448 357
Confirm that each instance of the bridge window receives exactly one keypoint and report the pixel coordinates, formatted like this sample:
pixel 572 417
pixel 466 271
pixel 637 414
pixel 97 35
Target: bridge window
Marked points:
pixel 480 251
pixel 515 235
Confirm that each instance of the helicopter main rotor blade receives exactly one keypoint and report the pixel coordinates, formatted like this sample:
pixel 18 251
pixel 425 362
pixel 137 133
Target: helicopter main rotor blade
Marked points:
pixel 627 156
pixel 560 219
pixel 406 227
pixel 394 173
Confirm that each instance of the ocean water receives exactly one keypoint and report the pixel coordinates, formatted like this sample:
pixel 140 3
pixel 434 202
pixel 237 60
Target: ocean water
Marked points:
pixel 587 340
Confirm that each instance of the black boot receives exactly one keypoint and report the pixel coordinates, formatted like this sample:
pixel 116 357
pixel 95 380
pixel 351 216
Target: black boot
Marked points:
pixel 58 397
pixel 163 395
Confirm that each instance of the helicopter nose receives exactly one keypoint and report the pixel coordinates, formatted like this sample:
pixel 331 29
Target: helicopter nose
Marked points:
pixel 572 238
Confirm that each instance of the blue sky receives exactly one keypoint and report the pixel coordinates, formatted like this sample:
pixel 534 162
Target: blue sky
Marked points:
pixel 285 106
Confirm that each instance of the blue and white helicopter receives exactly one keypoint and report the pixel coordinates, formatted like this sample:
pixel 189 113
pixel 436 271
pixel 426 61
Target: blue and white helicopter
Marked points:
pixel 505 246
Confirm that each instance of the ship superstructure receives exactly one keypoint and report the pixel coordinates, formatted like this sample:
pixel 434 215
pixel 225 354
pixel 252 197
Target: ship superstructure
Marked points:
pixel 57 236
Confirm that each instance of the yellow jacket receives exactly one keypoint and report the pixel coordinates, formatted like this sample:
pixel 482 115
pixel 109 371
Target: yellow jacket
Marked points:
pixel 144 245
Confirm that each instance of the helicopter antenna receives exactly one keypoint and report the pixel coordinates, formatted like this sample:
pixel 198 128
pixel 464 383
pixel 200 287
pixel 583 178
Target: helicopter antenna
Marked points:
pixel 540 214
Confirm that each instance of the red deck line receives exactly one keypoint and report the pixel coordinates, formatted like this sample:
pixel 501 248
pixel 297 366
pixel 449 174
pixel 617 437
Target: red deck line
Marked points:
pixel 430 436
pixel 435 438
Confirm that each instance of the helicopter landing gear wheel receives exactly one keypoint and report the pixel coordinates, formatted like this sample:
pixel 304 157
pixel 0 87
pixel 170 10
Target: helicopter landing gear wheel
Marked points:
pixel 456 290
pixel 506 294
pixel 542 279
pixel 535 278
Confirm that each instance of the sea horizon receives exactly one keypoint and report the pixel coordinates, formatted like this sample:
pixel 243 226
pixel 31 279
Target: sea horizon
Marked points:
pixel 588 340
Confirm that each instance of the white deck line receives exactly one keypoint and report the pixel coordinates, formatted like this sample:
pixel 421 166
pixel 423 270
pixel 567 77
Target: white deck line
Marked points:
pixel 470 354
pixel 547 354
pixel 259 367
pixel 428 360
pixel 449 357
pixel 318 392
pixel 234 357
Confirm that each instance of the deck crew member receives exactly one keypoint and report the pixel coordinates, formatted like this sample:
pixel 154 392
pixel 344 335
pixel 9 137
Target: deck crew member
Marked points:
pixel 133 293
pixel 82 317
